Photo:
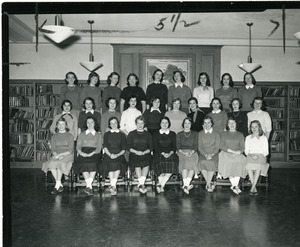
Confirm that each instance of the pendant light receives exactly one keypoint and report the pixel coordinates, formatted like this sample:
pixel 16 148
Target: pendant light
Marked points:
pixel 58 33
pixel 249 66
pixel 91 65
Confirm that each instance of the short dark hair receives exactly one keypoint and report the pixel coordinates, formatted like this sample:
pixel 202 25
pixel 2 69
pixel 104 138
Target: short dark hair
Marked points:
pixel 66 101
pixel 136 77
pixel 97 126
pixel 181 75
pixel 236 99
pixel 112 118
pixel 230 79
pixel 154 99
pixel 90 77
pixel 207 78
pixel 174 100
pixel 110 98
pixel 253 79
pixel 232 119
pixel 162 75
pixel 260 131
pixel 263 105
pixel 210 118
pixel 132 97
pixel 165 118
pixel 71 73
pixel 193 98
pixel 216 98
pixel 141 118
pixel 62 119
pixel 91 99
pixel 187 118
pixel 110 76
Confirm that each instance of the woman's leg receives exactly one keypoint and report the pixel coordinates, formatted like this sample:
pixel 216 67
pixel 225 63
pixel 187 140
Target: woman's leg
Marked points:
pixel 190 178
pixel 165 179
pixel 204 173
pixel 57 174
pixel 138 172
pixel 210 175
pixel 251 177
pixel 255 179
pixel 184 177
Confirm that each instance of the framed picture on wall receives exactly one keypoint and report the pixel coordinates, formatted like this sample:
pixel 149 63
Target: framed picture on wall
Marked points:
pixel 168 66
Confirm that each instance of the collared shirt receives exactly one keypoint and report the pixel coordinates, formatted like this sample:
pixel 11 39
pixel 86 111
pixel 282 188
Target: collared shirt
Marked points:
pixel 178 84
pixel 208 131
pixel 217 111
pixel 93 132
pixel 91 111
pixel 167 131
pixel 115 131
pixel 65 112
pixel 249 86
pixel 153 109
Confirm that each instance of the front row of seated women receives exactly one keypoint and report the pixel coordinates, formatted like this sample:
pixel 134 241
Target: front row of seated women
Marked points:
pixel 187 153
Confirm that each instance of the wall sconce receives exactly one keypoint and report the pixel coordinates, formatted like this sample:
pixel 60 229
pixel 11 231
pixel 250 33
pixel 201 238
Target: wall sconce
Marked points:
pixel 249 66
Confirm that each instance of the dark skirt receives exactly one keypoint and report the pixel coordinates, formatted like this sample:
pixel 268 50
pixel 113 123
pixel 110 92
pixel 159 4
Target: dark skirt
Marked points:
pixel 163 165
pixel 87 164
pixel 139 161
pixel 111 165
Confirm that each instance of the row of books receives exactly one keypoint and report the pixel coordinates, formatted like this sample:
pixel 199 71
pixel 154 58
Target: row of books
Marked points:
pixel 46 112
pixel 295 103
pixel 276 113
pixel 25 152
pixel 279 125
pixel 278 136
pixel 278 147
pixel 19 101
pixel 45 124
pixel 295 125
pixel 43 146
pixel 274 103
pixel 295 91
pixel 43 134
pixel 267 91
pixel 43 88
pixel 43 156
pixel 21 139
pixel 295 157
pixel 21 125
pixel 295 114
pixel 18 113
pixel 295 135
pixel 46 100
pixel 294 145
pixel 21 90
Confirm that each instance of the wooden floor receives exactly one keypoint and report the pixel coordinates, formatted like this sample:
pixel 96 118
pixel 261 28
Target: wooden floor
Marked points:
pixel 169 219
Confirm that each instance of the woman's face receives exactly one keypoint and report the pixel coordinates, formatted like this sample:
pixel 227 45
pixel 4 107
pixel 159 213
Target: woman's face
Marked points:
pixel 132 81
pixel 176 105
pixel 158 76
pixel 235 105
pixel 254 128
pixel 140 125
pixel 156 103
pixel 226 80
pixel 66 107
pixel 187 125
pixel 132 102
pixel 232 125
pixel 248 79
pixel 90 124
pixel 177 77
pixel 216 105
pixel 257 104
pixel 164 124
pixel 88 105
pixel 193 105
pixel 207 124
pixel 203 80
pixel 113 124
pixel 114 80
pixel 94 80
pixel 70 79
pixel 61 125
pixel 112 104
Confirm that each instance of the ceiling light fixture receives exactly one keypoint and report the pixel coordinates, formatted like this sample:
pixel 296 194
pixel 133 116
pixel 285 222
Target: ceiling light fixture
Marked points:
pixel 249 66
pixel 91 65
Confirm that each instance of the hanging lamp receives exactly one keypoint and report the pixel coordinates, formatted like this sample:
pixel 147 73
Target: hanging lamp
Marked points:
pixel 58 33
pixel 91 65
pixel 249 66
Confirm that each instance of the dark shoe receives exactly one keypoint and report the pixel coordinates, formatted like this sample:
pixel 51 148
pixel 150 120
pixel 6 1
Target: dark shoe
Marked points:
pixel 88 191
pixel 251 193
pixel 255 193
pixel 60 189
pixel 54 191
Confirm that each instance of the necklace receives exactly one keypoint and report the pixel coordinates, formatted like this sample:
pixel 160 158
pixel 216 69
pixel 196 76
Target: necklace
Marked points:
pixel 236 114
pixel 188 134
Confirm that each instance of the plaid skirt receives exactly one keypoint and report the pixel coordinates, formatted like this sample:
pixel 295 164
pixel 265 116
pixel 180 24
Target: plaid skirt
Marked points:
pixel 110 165
pixel 87 164
pixel 139 161
pixel 163 165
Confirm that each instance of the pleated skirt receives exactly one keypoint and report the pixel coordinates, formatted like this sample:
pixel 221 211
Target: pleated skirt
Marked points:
pixel 163 165
pixel 232 165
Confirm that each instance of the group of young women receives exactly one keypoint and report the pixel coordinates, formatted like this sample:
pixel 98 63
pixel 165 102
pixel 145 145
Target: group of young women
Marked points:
pixel 168 130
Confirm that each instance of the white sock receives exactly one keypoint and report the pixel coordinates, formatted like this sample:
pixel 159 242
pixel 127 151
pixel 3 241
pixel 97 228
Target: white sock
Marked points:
pixel 89 182
pixel 188 181
pixel 236 181
pixel 113 182
pixel 196 175
pixel 165 179
pixel 142 180
pixel 184 182
pixel 160 179
pixel 58 184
